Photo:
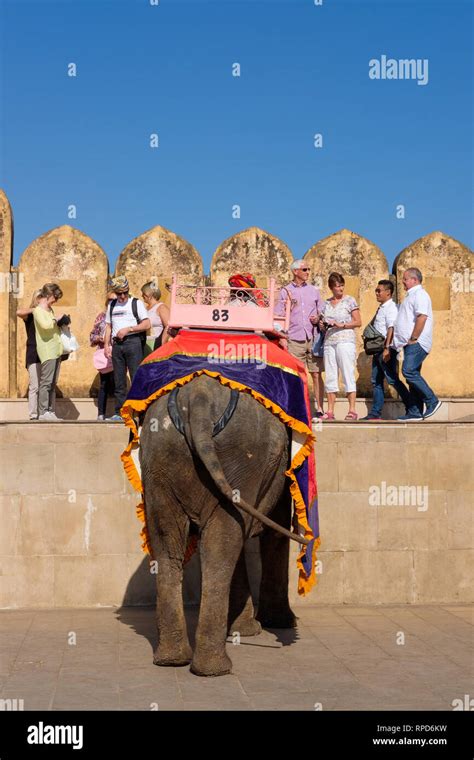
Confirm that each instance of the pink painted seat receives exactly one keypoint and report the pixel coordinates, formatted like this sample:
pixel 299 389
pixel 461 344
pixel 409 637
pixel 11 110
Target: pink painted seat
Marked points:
pixel 225 308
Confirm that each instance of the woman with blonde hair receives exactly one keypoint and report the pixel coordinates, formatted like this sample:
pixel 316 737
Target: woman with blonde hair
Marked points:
pixel 338 320
pixel 158 313
pixel 32 361
pixel 49 347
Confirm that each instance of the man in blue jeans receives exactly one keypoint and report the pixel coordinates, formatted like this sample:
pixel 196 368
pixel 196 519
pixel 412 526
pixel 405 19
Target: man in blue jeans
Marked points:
pixel 126 322
pixel 385 363
pixel 414 333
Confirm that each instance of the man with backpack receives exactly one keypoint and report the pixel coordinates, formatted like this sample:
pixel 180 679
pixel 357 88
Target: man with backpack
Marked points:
pixel 125 337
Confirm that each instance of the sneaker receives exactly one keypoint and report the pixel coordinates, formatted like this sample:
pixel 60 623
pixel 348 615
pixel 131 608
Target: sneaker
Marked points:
pixel 100 417
pixel 370 419
pixel 318 414
pixel 114 418
pixel 432 410
pixel 33 418
pixel 410 418
pixel 44 417
pixel 52 417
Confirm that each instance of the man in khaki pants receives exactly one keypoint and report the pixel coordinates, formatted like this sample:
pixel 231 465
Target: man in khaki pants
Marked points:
pixel 306 305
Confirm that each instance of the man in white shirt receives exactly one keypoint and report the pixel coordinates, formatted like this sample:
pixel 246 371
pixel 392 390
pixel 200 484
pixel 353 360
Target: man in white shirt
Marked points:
pixel 414 333
pixel 126 324
pixel 385 363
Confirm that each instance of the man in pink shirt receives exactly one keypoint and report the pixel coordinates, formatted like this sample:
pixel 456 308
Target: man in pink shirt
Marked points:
pixel 306 305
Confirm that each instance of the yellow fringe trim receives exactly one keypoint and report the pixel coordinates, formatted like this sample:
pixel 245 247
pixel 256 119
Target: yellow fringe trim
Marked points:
pixel 135 405
pixel 144 532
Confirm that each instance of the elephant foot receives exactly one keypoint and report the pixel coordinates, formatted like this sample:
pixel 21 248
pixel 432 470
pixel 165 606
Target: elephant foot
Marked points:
pixel 245 627
pixel 277 618
pixel 209 665
pixel 176 657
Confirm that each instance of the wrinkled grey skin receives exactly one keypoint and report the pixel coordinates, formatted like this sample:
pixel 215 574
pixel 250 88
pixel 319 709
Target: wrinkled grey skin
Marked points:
pixel 183 478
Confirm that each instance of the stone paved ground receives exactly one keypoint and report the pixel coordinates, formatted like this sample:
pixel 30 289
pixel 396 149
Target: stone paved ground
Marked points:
pixel 346 658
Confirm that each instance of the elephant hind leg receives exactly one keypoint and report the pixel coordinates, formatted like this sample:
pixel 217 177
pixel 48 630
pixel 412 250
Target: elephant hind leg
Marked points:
pixel 173 644
pixel 221 545
pixel 274 609
pixel 241 617
pixel 168 538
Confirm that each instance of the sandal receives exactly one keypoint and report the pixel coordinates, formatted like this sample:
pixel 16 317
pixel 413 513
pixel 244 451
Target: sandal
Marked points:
pixel 351 416
pixel 328 416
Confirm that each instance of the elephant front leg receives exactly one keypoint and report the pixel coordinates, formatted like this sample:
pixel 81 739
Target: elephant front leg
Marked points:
pixel 221 545
pixel 241 617
pixel 274 609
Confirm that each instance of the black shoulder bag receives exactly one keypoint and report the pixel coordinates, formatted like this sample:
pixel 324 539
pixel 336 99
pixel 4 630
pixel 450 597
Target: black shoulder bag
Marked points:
pixel 374 341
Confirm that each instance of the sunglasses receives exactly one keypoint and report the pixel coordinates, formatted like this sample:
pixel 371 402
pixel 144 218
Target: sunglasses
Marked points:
pixel 305 269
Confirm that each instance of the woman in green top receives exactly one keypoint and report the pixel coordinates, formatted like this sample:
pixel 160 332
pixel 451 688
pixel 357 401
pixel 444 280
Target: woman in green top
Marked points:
pixel 48 346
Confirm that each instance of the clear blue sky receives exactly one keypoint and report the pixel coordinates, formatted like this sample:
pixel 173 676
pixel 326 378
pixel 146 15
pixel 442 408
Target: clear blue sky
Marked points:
pixel 223 140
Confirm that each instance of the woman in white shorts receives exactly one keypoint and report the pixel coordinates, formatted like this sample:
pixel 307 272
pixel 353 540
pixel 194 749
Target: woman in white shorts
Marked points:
pixel 339 318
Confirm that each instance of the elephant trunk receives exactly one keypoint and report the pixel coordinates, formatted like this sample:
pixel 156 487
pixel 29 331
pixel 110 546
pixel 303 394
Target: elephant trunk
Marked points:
pixel 199 437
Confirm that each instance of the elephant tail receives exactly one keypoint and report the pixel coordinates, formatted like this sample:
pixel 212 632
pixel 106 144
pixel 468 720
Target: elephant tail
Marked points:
pixel 200 439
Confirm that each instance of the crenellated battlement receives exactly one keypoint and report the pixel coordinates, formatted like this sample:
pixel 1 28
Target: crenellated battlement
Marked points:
pixel 80 266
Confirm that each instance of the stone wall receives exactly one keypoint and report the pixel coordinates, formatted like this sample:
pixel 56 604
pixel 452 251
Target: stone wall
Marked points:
pixel 389 554
pixel 362 264
pixel 80 266
pixel 70 537
pixel 448 276
pixel 156 255
pixel 6 296
pixel 252 250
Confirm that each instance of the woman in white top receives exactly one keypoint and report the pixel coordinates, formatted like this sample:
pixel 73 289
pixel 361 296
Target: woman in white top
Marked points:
pixel 339 318
pixel 158 313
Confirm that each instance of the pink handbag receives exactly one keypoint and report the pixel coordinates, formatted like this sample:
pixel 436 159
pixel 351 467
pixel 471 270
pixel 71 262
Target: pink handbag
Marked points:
pixel 101 362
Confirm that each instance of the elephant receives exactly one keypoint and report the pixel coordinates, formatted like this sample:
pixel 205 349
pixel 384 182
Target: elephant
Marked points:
pixel 197 478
